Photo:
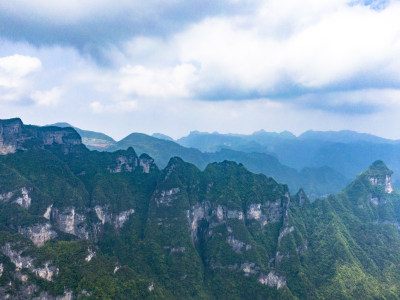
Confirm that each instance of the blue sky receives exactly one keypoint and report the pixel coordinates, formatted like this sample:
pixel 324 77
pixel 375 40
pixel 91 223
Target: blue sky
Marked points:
pixel 226 65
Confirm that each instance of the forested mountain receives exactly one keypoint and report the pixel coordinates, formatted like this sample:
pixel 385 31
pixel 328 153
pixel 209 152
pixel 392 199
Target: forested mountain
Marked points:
pixel 316 182
pixel 347 152
pixel 112 225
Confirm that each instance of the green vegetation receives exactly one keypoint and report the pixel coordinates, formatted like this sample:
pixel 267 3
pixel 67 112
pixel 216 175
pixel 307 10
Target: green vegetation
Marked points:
pixel 114 226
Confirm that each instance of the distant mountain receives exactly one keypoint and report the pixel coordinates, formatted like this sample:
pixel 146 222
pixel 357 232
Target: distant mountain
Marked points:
pixel 160 149
pixel 162 136
pixel 211 142
pixel 343 136
pixel 319 162
pixel 317 182
pixel 112 225
pixel 93 140
pixel 347 152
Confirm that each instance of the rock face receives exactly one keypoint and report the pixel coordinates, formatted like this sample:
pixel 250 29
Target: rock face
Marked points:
pixel 379 175
pixel 70 221
pixel 129 162
pixel 15 136
pixel 25 199
pixel 273 280
pixel 117 220
pixel 124 163
pixel 38 234
pixel 25 262
pixel 11 136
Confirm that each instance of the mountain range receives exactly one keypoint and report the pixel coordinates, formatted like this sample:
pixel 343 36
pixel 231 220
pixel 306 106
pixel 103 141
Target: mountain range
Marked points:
pixel 321 163
pixel 76 223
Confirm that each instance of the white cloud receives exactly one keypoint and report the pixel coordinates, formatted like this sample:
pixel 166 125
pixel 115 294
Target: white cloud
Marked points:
pixel 334 60
pixel 14 71
pixel 47 98
pixel 287 44
pixel 117 107
pixel 155 82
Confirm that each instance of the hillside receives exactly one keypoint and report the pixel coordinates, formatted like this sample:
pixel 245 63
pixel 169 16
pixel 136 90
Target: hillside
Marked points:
pixel 112 225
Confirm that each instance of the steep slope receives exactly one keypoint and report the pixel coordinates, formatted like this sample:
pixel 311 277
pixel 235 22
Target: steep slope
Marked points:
pixel 93 140
pixel 353 239
pixel 100 225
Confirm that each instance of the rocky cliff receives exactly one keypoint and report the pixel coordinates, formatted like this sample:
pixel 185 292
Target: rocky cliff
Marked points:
pixel 15 136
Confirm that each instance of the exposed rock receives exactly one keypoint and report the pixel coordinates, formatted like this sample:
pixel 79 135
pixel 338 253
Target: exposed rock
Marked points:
pixel 146 163
pixel 47 213
pixel 379 174
pixel 70 221
pixel 122 217
pixel 10 136
pixel 39 233
pixel 196 214
pixel 47 272
pixel 151 287
pixel 167 197
pixel 268 212
pixel 6 196
pixel 285 232
pixel 24 200
pixel 100 213
pixel 1 269
pixel 124 163
pixel 273 279
pixel 15 136
pixel 117 220
pixel 388 184
pixel 90 255
pixel 249 268
pixel 237 245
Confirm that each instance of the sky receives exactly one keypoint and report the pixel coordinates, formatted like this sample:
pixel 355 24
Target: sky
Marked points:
pixel 221 65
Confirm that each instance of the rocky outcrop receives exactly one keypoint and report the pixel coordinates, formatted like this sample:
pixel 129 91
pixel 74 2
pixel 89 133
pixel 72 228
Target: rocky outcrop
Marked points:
pixel 285 232
pixel 378 174
pixel 25 199
pixel 70 221
pixel 146 163
pixel 273 279
pixel 91 254
pixel 116 219
pixel 124 163
pixel 166 197
pixel 45 272
pixel 39 233
pixel 237 245
pixel 6 196
pixel 11 136
pixel 15 136
pixel 268 212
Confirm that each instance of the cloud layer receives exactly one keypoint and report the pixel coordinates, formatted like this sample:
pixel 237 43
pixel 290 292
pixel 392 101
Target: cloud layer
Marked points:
pixel 233 61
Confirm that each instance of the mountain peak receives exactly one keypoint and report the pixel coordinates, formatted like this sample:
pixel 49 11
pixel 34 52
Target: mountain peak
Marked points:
pixel 378 174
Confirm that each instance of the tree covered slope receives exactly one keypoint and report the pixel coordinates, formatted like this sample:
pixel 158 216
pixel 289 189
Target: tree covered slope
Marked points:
pixel 112 225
